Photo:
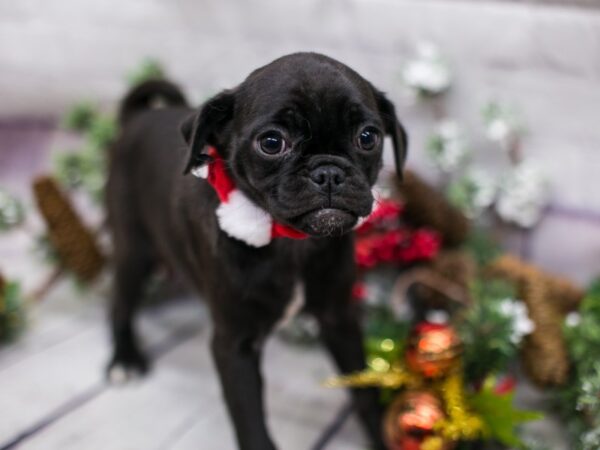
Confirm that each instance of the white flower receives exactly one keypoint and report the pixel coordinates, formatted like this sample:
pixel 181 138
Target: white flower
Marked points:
pixel 590 440
pixel 573 319
pixel 498 130
pixel 501 123
pixel 523 195
pixel 428 73
pixel 448 147
pixel 522 324
pixel 473 192
pixel 485 191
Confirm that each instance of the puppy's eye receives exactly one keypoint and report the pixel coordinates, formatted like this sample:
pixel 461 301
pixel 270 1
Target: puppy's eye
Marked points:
pixel 368 138
pixel 272 143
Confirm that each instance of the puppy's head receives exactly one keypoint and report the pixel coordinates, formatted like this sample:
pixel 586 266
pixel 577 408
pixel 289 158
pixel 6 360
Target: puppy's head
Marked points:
pixel 303 138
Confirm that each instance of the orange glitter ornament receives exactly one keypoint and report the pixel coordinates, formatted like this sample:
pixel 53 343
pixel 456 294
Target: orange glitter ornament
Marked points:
pixel 433 349
pixel 411 419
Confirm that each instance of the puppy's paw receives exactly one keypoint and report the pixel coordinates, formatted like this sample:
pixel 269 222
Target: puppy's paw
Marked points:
pixel 127 366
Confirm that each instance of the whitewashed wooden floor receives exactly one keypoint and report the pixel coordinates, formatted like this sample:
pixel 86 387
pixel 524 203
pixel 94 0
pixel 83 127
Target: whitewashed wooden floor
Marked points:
pixel 53 394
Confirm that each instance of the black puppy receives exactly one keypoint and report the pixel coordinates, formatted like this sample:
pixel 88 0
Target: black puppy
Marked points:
pixel 289 157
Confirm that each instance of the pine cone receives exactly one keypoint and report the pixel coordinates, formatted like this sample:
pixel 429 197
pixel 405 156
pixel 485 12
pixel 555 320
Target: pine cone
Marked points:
pixel 426 207
pixel 74 243
pixel 547 298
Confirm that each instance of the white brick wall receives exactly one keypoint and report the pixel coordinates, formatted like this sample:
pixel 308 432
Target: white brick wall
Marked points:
pixel 545 59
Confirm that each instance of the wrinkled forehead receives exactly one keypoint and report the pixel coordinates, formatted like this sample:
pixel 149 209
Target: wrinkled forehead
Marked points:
pixel 324 96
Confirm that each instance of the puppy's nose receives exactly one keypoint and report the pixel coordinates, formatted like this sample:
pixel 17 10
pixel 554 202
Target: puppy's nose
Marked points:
pixel 328 178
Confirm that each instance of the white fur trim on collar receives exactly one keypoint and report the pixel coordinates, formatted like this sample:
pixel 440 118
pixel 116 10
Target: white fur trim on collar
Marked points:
pixel 200 171
pixel 240 218
pixel 376 197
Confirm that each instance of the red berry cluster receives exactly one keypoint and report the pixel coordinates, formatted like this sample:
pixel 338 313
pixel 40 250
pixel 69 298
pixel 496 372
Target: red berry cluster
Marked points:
pixel 383 239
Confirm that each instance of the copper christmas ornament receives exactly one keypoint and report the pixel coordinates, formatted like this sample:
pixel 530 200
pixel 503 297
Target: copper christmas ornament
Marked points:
pixel 411 419
pixel 433 349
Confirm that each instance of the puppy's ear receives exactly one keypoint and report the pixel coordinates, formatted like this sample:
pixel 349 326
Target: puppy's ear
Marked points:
pixel 205 127
pixel 394 129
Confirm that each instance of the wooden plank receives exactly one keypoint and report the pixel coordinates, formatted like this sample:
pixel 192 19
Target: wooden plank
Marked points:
pixel 179 406
pixel 350 436
pixel 141 415
pixel 63 315
pixel 298 407
pixel 40 385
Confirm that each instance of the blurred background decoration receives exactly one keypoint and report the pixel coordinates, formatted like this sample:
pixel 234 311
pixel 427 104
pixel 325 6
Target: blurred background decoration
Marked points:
pixel 478 275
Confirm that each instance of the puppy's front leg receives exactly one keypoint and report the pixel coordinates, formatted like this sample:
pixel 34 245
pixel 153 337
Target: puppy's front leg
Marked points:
pixel 342 336
pixel 237 357
pixel 328 282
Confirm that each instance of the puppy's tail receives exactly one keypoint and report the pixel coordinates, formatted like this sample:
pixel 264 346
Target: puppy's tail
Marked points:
pixel 150 94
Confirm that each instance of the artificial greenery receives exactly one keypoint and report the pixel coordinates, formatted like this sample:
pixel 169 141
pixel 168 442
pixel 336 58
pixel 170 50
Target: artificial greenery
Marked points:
pixel 579 401
pixel 462 193
pixel 472 192
pixel 584 337
pixel 45 251
pixel 482 247
pixel 149 69
pixel 486 331
pixel 85 168
pixel 12 315
pixel 12 212
pixel 494 111
pixel 380 323
pixel 102 132
pixel 80 117
pixel 499 414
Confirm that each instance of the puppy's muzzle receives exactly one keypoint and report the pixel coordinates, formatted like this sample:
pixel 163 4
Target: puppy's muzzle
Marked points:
pixel 328 178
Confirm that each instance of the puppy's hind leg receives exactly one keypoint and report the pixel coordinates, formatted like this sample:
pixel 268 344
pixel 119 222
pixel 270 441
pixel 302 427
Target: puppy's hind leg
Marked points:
pixel 133 265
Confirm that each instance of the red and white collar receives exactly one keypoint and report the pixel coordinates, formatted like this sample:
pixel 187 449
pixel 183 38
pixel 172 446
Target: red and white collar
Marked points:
pixel 238 216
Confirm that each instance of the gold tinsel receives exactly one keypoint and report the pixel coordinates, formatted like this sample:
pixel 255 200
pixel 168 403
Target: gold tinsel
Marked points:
pixel 394 378
pixel 547 298
pixel 460 423
pixel 74 243
pixel 433 443
pixel 426 207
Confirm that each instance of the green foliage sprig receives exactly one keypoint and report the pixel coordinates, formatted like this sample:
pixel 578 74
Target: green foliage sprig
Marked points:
pixel 12 212
pixel 579 401
pixel 149 69
pixel 86 168
pixel 486 331
pixel 500 415
pixel 12 313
